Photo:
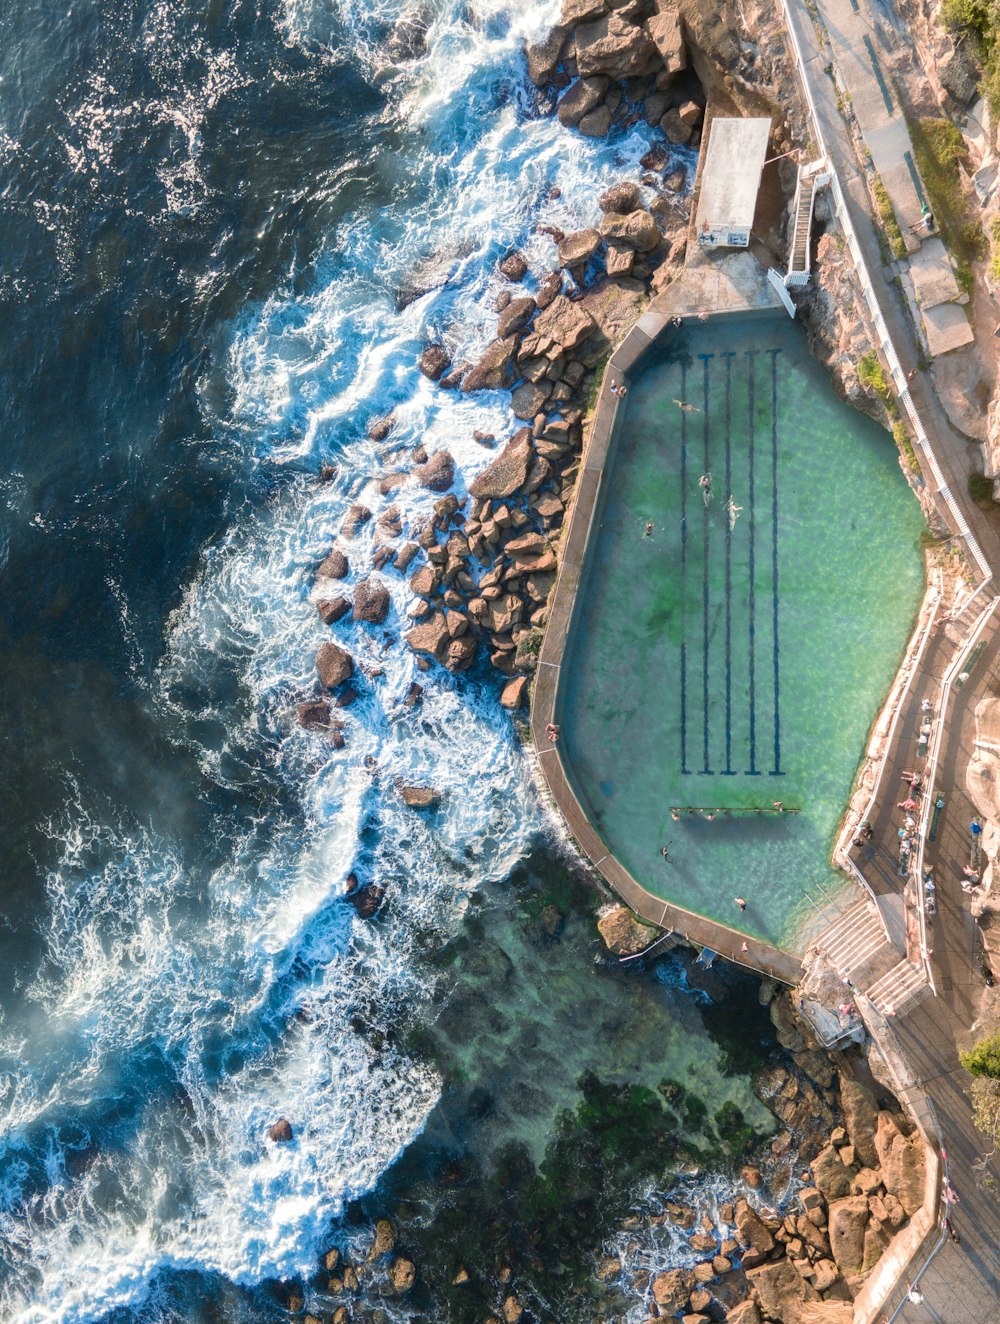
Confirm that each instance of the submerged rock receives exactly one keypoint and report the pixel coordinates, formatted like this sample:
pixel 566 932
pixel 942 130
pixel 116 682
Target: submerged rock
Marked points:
pixel 402 1272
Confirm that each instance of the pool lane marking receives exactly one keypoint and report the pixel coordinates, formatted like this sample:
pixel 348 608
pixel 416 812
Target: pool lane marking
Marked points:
pixel 706 770
pixel 685 770
pixel 729 770
pixel 751 354
pixel 776 771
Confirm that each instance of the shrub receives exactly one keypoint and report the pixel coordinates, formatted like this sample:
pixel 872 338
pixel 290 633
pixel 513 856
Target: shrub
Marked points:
pixel 981 490
pixel 892 234
pixel 983 1058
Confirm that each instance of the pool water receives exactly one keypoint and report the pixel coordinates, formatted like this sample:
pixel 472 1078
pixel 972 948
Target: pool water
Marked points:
pixel 737 653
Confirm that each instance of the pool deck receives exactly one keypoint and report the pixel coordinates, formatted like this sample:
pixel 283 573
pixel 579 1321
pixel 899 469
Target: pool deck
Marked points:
pixel 708 287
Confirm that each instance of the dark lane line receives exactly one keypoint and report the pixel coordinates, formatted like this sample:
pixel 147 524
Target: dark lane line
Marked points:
pixel 776 771
pixel 684 767
pixel 729 770
pixel 705 770
pixel 751 404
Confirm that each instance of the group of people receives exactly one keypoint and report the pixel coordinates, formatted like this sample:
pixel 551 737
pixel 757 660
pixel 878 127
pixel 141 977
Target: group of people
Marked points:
pixel 619 389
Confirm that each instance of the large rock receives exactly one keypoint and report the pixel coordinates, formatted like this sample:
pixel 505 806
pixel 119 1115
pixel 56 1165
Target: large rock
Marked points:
pixel 638 229
pixel 356 518
pixel 334 567
pixel 664 29
pixel 860 1118
pixel 672 1289
pixel 581 11
pixel 781 1291
pixel 281 1131
pixel 438 474
pixel 751 1230
pixel 527 399
pixel 745 1313
pixel 614 306
pixel 514 267
pixel 433 361
pixel 901 1159
pixel 420 797
pixel 612 45
pixel 515 693
pixel 848 1219
pixel 385 1239
pixel 430 637
pixel 332 609
pixel 314 716
pixel 494 371
pixel 831 1177
pixel 543 56
pixel 401 1274
pixel 623 934
pixel 621 198
pixel 371 601
pixel 509 471
pixel 334 665
pixel 515 316
pixel 578 247
pixel 579 99
pixel 564 322
pixel 596 123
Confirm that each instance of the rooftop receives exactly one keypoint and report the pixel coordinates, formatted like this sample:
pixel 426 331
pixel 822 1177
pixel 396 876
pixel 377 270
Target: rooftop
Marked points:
pixel 730 177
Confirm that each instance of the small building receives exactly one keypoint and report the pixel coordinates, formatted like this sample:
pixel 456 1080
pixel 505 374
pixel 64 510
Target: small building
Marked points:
pixel 730 181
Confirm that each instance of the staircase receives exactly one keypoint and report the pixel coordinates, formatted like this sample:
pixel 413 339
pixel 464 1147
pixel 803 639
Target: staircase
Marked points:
pixel 810 178
pixel 855 939
pixel 895 990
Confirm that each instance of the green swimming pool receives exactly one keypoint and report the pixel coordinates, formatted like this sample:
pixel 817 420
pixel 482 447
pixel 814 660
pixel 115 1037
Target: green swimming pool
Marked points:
pixel 735 653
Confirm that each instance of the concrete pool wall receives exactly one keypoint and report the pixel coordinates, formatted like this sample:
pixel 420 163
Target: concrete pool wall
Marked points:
pixel 765 948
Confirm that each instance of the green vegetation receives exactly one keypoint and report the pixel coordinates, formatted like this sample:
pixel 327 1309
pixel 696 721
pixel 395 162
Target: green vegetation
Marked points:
pixel 983 1058
pixel 873 378
pixel 981 491
pixel 995 246
pixel 939 150
pixel 901 436
pixel 891 232
pixel 980 21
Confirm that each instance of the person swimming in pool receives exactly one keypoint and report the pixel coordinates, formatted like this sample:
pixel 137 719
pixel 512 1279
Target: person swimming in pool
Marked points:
pixel 705 483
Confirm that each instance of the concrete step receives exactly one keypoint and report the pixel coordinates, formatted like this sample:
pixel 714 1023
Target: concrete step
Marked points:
pixel 852 940
pixel 901 986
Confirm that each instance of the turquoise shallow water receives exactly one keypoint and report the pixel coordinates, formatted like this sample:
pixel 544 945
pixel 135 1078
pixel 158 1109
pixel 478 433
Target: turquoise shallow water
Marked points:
pixel 731 661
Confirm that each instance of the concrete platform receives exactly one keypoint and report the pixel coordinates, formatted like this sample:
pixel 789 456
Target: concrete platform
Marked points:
pixel 946 327
pixel 933 275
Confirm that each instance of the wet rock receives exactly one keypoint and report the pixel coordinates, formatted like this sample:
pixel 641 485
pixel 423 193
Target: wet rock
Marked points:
pixel 346 697
pixel 831 1177
pixel 438 474
pixel 543 56
pixel 334 567
pixel 434 360
pixel 674 129
pixel 596 124
pixel 405 555
pixel 552 921
pixel 461 1276
pixel 402 1272
pixel 385 1239
pixel 430 637
pixel 314 716
pixel 664 28
pixel 366 900
pixel 751 1229
pixel 744 1313
pixel 514 267
pixel 460 653
pixel 332 610
pixel 371 601
pixel 780 1290
pixel 564 322
pixel 334 665
pixel 514 318
pixel 328 472
pixel 613 46
pixel 672 1289
pixel 515 693
pixel 583 96
pixel 420 797
pixel 508 471
pixel 753 1177
pixel 703 1241
pixel 281 1131
pixel 638 229
pixel 494 371
pixel 426 581
pixel 675 181
pixel 512 1310
pixel 356 518
pixel 527 399
pixel 579 247
pixel 331 1259
pixel 549 289
pixel 379 428
pixel 623 934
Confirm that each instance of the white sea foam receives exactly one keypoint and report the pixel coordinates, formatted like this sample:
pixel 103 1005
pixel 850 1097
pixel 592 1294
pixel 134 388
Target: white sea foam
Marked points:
pixel 209 1001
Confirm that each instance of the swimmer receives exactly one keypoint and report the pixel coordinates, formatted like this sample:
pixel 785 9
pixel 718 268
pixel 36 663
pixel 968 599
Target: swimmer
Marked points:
pixel 705 483
pixel 665 850
pixel 648 531
pixel 740 902
pixel 733 511
pixel 688 409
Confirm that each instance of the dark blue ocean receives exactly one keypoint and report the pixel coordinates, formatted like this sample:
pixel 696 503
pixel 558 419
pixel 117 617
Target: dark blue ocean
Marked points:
pixel 226 232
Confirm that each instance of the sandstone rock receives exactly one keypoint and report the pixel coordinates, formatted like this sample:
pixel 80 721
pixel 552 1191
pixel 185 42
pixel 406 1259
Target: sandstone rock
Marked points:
pixel 672 1289
pixel 514 267
pixel 426 581
pixel 638 229
pixel 564 322
pixel 334 567
pixel 508 471
pixel 430 637
pixel 623 934
pixel 281 1131
pixel 460 653
pixel 385 1239
pixel 514 318
pixel 744 1313
pixel 703 1241
pixel 690 113
pixel 901 1159
pixel 780 1290
pixel 621 198
pixel 700 1299
pixel 664 28
pixel 543 56
pixel 332 610
pixel 494 371
pixel 877 1238
pixel 512 1310
pixel 438 474
pixel 619 258
pixel 401 1274
pixel 610 1266
pixel 515 693
pixel 674 129
pixel 704 1272
pixel 831 1177
pixel 786 1023
pixel 405 555
pixel 596 123
pixel 314 716
pixel 331 1259
pixel 434 360
pixel 334 665
pixel 371 601
pixel 379 428
pixel 581 11
pixel 583 96
pixel 860 1119
pixel 527 399
pixel 751 1229
pixel 579 247
pixel 356 518
pixel 613 46
pixel 420 797
pixel 753 1177
pixel 848 1220
pixel 461 1276
pixel 549 289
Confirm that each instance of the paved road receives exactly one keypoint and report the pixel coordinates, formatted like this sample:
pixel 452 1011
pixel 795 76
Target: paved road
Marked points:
pixel 962 1282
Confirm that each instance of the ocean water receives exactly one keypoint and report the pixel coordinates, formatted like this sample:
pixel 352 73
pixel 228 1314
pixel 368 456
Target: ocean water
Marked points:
pixel 227 231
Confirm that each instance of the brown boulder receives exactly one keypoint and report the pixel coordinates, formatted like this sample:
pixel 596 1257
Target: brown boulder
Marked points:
pixel 596 123
pixel 515 317
pixel 848 1220
pixel 356 517
pixel 901 1159
pixel 420 797
pixel 494 371
pixel 515 693
pixel 638 229
pixel 744 1313
pixel 860 1118
pixel 621 198
pixel 512 1310
pixel 581 11
pixel 332 609
pixel 281 1131
pixel 750 1228
pixel 335 566
pixel 527 399
pixel 438 474
pixel 314 716
pixel 830 1176
pixel 664 29
pixel 514 267
pixel 564 322
pixel 780 1290
pixel 674 129
pixel 334 665
pixel 579 247
pixel 508 471
pixel 549 288
pixel 431 636
pixel 385 1239
pixel 371 601
pixel 613 46
pixel 401 1274
pixel 583 96
pixel 433 361
pixel 672 1289
pixel 543 56
pixel 623 934
pixel 426 581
